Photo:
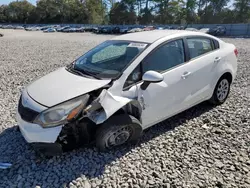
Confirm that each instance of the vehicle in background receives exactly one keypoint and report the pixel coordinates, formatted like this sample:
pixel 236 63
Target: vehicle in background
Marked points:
pixel 90 28
pixel 191 29
pixel 7 27
pixel 125 30
pixel 56 27
pixel 49 30
pixel 96 30
pixel 18 27
pixel 113 29
pixel 137 29
pixel 218 31
pixel 33 29
pixel 148 28
pixel 44 28
pixel 168 27
pixel 116 30
pixel 106 30
pixel 205 30
pixel 69 30
pixel 181 28
pixel 159 28
pixel 80 29
pixel 109 95
pixel 62 28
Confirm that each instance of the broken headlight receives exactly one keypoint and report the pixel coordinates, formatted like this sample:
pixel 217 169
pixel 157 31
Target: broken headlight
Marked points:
pixel 62 113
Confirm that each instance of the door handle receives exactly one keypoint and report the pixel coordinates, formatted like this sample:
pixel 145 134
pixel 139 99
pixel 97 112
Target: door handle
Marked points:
pixel 217 59
pixel 185 75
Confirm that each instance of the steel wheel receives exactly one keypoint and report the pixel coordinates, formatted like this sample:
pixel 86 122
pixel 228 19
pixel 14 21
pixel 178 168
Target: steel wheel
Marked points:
pixel 119 136
pixel 118 130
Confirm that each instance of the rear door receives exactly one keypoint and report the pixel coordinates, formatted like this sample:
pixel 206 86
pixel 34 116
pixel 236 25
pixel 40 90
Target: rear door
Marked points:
pixel 203 58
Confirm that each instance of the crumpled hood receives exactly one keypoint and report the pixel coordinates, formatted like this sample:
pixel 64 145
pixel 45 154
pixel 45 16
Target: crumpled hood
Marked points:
pixel 60 86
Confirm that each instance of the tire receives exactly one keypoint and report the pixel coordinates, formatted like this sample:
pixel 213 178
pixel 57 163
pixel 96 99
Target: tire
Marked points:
pixel 216 99
pixel 124 128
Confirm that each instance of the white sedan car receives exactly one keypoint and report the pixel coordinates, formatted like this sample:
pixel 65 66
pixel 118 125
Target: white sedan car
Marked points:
pixel 121 87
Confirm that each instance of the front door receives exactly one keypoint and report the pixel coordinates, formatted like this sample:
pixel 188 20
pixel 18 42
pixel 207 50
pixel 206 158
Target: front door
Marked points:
pixel 164 99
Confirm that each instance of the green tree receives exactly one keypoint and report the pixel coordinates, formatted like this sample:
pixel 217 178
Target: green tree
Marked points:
pixel 126 11
pixel 123 12
pixel 48 11
pixel 170 11
pixel 3 14
pixel 96 11
pixel 242 8
pixel 228 16
pixel 19 11
pixel 190 14
pixel 211 13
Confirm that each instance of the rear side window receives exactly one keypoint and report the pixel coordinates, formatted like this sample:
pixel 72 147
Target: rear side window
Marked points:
pixel 199 46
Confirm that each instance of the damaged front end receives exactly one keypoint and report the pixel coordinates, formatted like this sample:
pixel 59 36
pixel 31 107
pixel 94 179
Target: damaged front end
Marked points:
pixel 101 105
pixel 72 124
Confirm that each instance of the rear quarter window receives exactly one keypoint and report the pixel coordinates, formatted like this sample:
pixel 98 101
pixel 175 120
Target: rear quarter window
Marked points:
pixel 216 44
pixel 199 45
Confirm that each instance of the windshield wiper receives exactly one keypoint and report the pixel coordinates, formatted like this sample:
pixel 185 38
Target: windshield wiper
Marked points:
pixel 76 72
pixel 91 74
pixel 82 72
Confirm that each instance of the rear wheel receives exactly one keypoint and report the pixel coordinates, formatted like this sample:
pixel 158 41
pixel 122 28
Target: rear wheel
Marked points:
pixel 118 130
pixel 221 91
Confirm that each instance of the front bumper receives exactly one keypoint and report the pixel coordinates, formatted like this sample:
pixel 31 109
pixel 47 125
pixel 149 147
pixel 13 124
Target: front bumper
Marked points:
pixel 35 133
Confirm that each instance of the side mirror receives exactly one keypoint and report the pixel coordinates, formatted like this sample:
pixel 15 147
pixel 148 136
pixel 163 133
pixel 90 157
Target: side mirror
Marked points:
pixel 150 77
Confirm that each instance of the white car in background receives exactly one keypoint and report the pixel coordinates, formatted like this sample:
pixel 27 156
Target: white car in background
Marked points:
pixel 49 30
pixel 123 86
pixel 191 29
pixel 205 30
pixel 135 30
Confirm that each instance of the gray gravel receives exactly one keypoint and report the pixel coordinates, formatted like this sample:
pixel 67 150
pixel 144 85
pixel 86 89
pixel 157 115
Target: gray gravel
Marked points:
pixel 201 147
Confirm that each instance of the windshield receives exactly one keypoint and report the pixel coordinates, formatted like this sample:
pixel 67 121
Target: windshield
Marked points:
pixel 109 59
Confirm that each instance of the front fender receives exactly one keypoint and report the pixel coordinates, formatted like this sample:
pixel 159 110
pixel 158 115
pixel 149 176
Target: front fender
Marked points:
pixel 109 105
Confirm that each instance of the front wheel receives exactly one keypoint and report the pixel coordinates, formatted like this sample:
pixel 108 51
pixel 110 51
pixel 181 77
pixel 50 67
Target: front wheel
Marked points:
pixel 221 91
pixel 118 130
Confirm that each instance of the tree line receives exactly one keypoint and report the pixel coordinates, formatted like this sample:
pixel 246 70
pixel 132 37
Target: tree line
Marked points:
pixel 127 12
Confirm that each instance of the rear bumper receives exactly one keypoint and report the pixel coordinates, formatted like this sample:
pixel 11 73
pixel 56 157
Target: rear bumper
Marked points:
pixel 34 133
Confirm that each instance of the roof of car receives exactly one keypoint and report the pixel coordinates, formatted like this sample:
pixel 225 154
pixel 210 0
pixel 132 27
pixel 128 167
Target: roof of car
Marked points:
pixel 151 36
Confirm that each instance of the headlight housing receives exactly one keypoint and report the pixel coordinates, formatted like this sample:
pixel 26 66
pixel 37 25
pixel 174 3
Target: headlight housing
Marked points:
pixel 62 113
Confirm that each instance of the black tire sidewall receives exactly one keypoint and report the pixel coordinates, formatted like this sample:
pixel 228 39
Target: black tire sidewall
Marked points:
pixel 115 123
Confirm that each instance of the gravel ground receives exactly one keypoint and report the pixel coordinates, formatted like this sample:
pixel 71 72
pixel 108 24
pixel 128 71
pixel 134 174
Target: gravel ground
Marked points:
pixel 201 147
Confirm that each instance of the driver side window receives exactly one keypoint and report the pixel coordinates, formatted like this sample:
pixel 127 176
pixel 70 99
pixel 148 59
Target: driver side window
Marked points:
pixel 165 57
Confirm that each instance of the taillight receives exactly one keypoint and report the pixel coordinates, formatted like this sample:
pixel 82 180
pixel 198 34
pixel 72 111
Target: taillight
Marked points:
pixel 236 52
